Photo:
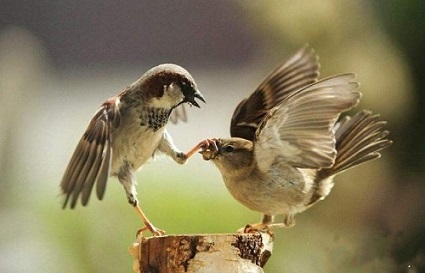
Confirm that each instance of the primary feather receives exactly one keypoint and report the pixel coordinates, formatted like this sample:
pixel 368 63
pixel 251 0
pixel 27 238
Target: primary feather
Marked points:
pixel 299 130
pixel 299 71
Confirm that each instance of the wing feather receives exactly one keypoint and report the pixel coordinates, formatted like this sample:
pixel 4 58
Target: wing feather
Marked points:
pixel 358 139
pixel 97 158
pixel 103 174
pixel 299 71
pixel 86 167
pixel 300 129
pixel 91 160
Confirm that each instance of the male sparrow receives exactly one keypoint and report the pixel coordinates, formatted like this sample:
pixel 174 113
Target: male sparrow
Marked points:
pixel 287 146
pixel 125 132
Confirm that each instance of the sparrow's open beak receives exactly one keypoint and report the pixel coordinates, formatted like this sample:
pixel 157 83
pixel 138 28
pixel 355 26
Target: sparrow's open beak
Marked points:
pixel 190 98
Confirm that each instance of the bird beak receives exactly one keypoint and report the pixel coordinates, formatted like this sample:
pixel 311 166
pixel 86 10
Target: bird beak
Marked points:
pixel 190 98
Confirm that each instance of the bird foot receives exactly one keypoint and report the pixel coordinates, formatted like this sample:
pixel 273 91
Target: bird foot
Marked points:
pixel 148 225
pixel 203 145
pixel 264 227
pixel 255 228
pixel 155 231
pixel 209 148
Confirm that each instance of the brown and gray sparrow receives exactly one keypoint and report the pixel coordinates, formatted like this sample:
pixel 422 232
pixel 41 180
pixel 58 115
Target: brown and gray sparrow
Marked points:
pixel 125 132
pixel 286 145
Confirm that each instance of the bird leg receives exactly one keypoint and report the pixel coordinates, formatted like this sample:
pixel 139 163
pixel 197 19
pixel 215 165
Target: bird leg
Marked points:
pixel 267 223
pixel 204 145
pixel 288 221
pixel 148 225
pixel 192 151
pixel 264 225
pixel 167 146
pixel 127 179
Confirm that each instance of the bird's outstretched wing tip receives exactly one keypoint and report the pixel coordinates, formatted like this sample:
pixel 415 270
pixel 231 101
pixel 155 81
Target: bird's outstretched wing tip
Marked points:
pixel 87 165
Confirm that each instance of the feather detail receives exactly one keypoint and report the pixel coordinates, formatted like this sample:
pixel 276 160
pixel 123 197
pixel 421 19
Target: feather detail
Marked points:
pixel 299 71
pixel 91 160
pixel 358 139
pixel 300 129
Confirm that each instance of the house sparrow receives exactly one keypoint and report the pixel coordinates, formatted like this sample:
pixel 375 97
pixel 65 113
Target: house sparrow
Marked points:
pixel 286 145
pixel 125 132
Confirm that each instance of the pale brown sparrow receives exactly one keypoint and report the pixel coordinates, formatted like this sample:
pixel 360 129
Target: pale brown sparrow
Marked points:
pixel 125 132
pixel 287 146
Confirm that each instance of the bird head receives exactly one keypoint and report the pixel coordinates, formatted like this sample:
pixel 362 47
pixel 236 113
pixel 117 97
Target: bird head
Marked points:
pixel 230 155
pixel 169 85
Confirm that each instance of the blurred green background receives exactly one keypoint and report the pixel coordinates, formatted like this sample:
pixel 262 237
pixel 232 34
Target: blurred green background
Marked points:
pixel 60 60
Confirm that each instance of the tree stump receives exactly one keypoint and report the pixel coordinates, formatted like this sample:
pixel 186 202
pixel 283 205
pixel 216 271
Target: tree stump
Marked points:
pixel 202 253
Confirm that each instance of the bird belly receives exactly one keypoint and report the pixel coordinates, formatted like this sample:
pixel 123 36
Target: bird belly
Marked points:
pixel 134 147
pixel 282 190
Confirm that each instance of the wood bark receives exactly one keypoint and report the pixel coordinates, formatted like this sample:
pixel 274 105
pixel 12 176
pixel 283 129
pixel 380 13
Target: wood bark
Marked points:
pixel 202 253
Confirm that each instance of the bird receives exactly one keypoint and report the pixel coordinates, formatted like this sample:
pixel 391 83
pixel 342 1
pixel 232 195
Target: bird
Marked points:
pixel 128 130
pixel 286 143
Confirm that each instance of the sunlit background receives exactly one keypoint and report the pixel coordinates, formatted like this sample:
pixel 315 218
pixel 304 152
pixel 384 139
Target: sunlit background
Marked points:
pixel 59 60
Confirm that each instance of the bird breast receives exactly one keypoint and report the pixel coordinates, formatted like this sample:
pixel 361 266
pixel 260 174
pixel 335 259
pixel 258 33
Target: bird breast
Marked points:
pixel 134 142
pixel 283 189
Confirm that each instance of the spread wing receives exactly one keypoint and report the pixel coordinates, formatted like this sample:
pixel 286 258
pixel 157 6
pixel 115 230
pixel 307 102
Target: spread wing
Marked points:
pixel 299 71
pixel 300 130
pixel 91 160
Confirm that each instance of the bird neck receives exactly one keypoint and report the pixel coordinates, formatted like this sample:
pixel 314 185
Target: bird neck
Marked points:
pixel 239 173
pixel 154 118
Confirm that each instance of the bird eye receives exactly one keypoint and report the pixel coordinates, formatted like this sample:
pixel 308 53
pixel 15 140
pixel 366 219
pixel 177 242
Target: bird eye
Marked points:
pixel 228 148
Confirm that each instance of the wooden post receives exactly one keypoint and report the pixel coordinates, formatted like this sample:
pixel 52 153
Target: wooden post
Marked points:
pixel 202 253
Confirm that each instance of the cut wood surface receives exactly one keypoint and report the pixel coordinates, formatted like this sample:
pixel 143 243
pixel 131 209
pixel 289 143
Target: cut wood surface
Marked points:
pixel 202 253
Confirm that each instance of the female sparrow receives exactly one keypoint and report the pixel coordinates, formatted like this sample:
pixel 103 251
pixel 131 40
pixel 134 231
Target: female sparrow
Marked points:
pixel 125 132
pixel 287 146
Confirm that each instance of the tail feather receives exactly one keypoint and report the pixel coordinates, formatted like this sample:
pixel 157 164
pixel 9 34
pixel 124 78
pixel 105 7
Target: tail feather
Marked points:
pixel 358 139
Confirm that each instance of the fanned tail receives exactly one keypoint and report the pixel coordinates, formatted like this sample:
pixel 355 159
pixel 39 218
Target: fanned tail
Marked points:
pixel 358 139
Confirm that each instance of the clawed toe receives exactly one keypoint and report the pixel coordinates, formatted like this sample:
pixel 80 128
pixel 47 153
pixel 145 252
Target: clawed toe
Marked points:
pixel 209 148
pixel 255 228
pixel 155 231
pixel 148 225
pixel 203 145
